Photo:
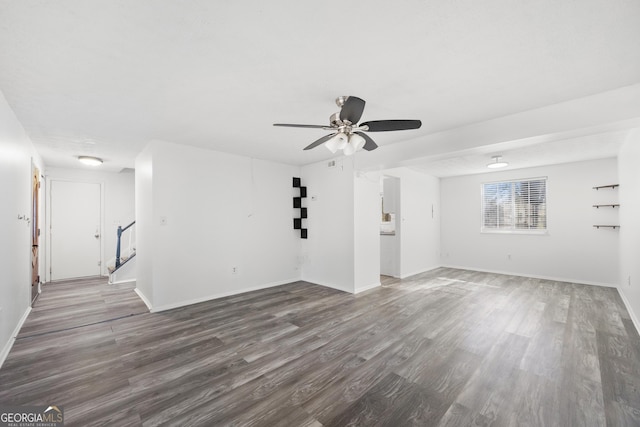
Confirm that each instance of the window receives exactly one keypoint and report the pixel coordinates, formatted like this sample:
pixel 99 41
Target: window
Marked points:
pixel 515 206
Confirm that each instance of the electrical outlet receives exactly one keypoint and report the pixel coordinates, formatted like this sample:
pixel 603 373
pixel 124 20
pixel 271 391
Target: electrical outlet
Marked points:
pixel 234 270
pixel 629 281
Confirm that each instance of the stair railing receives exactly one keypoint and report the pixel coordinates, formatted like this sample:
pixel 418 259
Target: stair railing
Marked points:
pixel 120 231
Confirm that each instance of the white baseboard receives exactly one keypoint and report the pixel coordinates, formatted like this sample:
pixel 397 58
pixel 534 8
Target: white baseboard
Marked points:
pixel 327 285
pixel 119 282
pixel 9 345
pixel 404 276
pixel 534 276
pixel 632 314
pixel 219 295
pixel 144 299
pixel 366 288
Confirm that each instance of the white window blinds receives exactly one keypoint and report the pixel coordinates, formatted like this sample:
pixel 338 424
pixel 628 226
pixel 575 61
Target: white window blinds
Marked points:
pixel 515 206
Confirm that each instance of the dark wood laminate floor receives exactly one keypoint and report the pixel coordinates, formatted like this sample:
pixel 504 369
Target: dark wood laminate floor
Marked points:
pixel 444 348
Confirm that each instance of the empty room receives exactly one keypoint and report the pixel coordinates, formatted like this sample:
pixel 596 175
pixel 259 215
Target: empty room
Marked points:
pixel 356 213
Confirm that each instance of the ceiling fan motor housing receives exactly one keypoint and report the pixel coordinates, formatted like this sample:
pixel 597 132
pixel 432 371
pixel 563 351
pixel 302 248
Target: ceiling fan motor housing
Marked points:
pixel 334 120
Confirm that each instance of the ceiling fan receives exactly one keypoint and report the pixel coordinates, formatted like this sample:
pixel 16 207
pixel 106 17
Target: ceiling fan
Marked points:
pixel 347 134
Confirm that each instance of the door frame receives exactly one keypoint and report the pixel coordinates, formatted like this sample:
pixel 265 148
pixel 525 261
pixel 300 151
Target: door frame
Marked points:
pixel 48 181
pixel 35 232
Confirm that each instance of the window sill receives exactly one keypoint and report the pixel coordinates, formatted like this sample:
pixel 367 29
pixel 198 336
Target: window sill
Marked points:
pixel 520 232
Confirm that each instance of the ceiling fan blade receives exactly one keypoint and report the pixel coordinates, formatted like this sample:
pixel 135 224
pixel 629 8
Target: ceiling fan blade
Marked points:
pixel 352 109
pixel 320 141
pixel 370 144
pixel 288 125
pixel 388 125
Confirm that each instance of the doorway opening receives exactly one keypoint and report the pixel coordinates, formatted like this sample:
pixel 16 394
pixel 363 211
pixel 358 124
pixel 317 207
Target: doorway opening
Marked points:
pixel 390 228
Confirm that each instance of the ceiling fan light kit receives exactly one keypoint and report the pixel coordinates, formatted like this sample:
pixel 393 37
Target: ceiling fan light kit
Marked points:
pixel 356 143
pixel 348 136
pixel 348 144
pixel 336 142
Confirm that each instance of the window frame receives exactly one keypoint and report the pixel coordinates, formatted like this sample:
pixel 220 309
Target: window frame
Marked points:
pixel 513 230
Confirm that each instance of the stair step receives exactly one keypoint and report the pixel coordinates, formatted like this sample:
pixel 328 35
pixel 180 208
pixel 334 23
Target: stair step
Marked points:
pixel 123 261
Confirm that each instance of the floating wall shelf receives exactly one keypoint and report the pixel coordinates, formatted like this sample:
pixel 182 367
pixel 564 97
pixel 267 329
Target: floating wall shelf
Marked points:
pixel 297 204
pixel 609 205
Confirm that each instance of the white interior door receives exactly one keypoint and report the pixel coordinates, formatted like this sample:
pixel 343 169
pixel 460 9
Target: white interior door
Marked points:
pixel 75 229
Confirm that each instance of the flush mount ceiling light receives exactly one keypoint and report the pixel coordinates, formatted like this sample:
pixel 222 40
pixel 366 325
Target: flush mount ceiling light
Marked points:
pixel 497 163
pixel 90 160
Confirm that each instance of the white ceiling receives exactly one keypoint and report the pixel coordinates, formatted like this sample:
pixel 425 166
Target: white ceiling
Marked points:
pixel 105 77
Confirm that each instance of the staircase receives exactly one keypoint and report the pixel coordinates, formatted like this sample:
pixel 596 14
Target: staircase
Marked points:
pixel 122 267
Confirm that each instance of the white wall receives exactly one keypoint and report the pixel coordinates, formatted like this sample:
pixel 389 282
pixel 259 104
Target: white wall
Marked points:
pixel 145 225
pixel 366 236
pixel 220 211
pixel 16 154
pixel 118 203
pixel 571 251
pixel 328 253
pixel 629 173
pixel 418 222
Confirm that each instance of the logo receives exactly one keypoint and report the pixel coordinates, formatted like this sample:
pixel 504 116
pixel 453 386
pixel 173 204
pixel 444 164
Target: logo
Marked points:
pixel 31 416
